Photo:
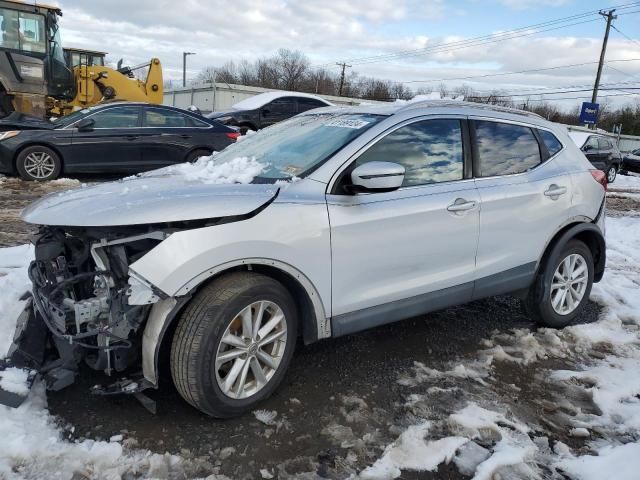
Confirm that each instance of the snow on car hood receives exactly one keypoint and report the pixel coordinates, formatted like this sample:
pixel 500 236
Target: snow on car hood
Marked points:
pixel 178 193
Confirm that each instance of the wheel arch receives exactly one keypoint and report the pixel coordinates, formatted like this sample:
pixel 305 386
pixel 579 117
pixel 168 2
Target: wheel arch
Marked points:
pixel 36 144
pixel 161 322
pixel 586 232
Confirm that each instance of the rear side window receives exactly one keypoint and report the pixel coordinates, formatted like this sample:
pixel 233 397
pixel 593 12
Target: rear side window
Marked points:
pixel 158 118
pixel 505 149
pixel 604 144
pixel 551 142
pixel 305 104
pixel 430 151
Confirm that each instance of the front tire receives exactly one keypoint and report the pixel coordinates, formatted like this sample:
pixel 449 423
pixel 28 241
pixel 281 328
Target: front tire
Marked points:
pixel 196 154
pixel 563 286
pixel 233 343
pixel 38 163
pixel 612 172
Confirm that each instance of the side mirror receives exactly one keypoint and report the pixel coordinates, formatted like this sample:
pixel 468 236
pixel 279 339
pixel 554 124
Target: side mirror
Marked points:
pixel 85 125
pixel 587 148
pixel 377 177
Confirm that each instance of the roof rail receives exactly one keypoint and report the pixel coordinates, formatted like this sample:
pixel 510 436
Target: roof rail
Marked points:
pixel 459 103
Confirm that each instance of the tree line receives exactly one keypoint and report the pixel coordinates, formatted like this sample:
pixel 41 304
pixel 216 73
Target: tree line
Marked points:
pixel 292 70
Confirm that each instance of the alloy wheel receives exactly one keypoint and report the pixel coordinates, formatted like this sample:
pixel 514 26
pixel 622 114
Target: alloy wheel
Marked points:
pixel 569 284
pixel 611 174
pixel 39 165
pixel 251 349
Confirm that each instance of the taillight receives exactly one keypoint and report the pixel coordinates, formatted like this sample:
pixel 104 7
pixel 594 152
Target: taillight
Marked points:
pixel 600 177
pixel 233 135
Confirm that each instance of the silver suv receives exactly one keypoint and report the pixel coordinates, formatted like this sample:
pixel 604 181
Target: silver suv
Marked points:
pixel 356 217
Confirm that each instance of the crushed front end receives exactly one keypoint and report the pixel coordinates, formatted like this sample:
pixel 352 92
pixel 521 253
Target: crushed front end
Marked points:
pixel 85 307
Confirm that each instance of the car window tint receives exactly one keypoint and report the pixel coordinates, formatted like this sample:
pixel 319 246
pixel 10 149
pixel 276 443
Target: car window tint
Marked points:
pixel 305 104
pixel 505 149
pixel 121 117
pixel 591 142
pixel 282 105
pixel 166 118
pixel 430 151
pixel 603 144
pixel 194 122
pixel 551 142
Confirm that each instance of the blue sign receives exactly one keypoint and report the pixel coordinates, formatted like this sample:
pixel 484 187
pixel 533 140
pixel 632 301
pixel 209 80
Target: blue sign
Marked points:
pixel 589 112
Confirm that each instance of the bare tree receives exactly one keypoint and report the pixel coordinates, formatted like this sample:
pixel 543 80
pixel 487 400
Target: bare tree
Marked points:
pixel 292 67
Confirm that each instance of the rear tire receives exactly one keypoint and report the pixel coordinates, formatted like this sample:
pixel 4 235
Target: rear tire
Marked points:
pixel 38 163
pixel 193 156
pixel 562 274
pixel 225 379
pixel 612 172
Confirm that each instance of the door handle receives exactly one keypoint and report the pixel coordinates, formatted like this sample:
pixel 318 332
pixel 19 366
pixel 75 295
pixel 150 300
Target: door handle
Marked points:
pixel 554 191
pixel 132 137
pixel 185 136
pixel 461 205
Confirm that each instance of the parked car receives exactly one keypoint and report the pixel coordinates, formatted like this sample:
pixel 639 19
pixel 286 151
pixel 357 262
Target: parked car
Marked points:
pixel 268 108
pixel 358 217
pixel 119 137
pixel 631 161
pixel 601 151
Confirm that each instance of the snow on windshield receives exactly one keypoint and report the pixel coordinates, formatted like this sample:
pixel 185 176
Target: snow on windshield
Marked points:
pixel 206 170
pixel 262 99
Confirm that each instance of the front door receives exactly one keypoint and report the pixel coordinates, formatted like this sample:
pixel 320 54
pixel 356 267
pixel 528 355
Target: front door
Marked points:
pixel 112 145
pixel 278 110
pixel 400 253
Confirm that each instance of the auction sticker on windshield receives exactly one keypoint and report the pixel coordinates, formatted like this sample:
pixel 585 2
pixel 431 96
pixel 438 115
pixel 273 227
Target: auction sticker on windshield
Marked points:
pixel 347 123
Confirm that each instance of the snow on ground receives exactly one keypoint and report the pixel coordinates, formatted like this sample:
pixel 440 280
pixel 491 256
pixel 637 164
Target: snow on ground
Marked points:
pixel 483 436
pixel 32 444
pixel 629 183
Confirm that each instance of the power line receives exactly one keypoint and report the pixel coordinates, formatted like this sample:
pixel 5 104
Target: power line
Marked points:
pixel 492 38
pixel 516 72
pixel 625 35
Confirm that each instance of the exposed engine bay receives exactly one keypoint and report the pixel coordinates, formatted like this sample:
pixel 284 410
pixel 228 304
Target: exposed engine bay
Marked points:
pixel 92 309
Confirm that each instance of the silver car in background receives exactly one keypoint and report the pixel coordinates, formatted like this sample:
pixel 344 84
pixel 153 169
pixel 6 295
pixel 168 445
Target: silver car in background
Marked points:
pixel 361 216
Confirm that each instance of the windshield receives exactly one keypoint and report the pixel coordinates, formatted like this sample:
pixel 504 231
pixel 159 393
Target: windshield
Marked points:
pixel 296 147
pixel 22 31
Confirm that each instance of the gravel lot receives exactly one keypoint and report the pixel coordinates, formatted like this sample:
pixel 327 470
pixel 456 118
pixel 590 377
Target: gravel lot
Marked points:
pixel 341 402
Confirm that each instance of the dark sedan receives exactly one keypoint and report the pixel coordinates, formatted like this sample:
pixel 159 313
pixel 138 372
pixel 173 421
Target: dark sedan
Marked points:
pixel 119 137
pixel 631 161
pixel 267 108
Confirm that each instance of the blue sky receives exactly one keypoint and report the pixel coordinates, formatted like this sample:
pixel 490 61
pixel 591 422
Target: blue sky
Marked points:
pixel 328 31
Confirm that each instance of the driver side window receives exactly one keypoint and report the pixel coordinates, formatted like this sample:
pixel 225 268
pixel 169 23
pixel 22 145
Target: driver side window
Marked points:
pixel 120 117
pixel 281 106
pixel 429 150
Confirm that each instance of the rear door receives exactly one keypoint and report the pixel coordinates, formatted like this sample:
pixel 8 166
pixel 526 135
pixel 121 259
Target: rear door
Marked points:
pixel 170 135
pixel 525 198
pixel 111 146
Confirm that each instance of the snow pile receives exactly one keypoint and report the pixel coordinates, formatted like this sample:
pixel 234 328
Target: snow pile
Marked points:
pixel 14 380
pixel 429 96
pixel 629 183
pixel 32 444
pixel 485 441
pixel 411 452
pixel 206 170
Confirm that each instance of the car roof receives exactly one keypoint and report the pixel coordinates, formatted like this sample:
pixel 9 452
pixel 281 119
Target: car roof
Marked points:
pixel 447 107
pixel 262 99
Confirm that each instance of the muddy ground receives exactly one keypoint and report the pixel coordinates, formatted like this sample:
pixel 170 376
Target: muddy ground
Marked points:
pixel 340 402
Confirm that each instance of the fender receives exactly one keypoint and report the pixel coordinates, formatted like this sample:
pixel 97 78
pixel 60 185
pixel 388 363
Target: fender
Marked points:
pixel 164 311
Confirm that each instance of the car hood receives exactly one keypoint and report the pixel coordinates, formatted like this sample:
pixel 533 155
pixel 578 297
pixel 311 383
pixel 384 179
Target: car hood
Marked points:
pixel 20 121
pixel 147 200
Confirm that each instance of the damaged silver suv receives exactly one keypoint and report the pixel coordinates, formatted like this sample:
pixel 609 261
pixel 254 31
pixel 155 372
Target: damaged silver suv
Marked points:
pixel 339 220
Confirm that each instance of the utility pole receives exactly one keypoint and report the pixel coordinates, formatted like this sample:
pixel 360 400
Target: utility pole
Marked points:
pixel 610 17
pixel 184 67
pixel 343 65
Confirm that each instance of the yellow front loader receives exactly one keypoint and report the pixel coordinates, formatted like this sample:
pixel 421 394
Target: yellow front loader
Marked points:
pixel 96 83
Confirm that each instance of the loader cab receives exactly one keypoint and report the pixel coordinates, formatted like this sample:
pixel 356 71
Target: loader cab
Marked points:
pixel 32 62
pixel 75 57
